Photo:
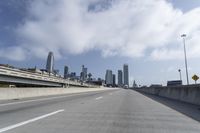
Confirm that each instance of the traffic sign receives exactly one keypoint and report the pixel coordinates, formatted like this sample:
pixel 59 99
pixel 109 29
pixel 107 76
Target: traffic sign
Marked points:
pixel 195 78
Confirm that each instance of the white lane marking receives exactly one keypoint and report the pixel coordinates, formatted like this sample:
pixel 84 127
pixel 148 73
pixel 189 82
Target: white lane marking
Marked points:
pixel 29 121
pixel 99 98
pixel 42 99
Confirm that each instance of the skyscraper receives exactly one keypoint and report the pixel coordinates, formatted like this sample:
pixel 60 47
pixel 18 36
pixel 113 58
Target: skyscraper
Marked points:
pixel 84 73
pixel 66 72
pixel 120 81
pixel 109 78
pixel 126 75
pixel 114 80
pixel 50 63
pixel 134 84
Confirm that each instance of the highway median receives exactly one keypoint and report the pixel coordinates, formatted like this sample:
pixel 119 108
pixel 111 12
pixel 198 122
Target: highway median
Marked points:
pixel 18 93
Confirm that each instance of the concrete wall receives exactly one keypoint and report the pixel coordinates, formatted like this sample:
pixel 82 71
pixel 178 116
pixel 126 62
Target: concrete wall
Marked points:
pixel 17 93
pixel 188 93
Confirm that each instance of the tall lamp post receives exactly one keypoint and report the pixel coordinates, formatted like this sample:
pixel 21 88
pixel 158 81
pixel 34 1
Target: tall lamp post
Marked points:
pixel 183 36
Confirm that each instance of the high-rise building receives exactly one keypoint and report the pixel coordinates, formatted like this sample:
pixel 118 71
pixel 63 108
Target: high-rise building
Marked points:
pixel 126 75
pixel 66 72
pixel 114 80
pixel 73 75
pixel 134 84
pixel 50 63
pixel 120 81
pixel 84 73
pixel 109 78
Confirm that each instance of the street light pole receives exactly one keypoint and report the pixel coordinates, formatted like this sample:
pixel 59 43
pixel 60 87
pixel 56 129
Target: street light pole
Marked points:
pixel 183 36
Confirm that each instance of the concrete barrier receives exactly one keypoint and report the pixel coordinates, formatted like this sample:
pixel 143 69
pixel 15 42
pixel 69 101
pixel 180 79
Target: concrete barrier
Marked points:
pixel 17 93
pixel 187 93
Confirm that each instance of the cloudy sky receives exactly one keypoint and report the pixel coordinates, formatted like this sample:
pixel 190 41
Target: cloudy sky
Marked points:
pixel 103 34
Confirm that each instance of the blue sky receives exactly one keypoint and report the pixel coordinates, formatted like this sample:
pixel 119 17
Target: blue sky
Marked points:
pixel 103 34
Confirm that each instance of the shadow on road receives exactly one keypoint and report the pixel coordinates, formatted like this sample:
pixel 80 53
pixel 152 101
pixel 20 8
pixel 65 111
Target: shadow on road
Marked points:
pixel 190 110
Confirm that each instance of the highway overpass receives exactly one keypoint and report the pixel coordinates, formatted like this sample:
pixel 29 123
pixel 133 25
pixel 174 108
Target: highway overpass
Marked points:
pixel 26 78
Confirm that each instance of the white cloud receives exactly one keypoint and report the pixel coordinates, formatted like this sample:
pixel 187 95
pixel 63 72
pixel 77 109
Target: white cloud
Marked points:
pixel 122 28
pixel 13 53
pixel 167 54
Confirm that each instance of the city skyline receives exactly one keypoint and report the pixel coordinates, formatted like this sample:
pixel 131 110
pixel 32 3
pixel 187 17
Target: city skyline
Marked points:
pixel 25 42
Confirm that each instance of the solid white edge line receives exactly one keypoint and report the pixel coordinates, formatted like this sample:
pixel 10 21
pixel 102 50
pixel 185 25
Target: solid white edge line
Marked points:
pixel 99 98
pixel 29 121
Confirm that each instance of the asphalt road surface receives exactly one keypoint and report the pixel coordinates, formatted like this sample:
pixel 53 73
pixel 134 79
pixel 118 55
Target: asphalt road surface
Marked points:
pixel 113 111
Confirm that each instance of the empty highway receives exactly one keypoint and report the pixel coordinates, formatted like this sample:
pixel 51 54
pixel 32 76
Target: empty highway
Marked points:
pixel 110 111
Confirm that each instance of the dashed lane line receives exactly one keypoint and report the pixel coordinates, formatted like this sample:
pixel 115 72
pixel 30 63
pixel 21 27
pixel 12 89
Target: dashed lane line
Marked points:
pixel 98 98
